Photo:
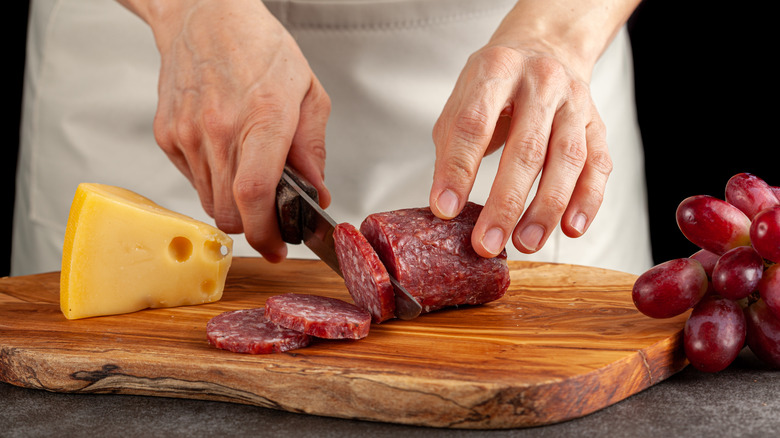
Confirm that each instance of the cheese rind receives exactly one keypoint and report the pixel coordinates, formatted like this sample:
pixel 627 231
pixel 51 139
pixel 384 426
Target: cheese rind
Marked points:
pixel 123 253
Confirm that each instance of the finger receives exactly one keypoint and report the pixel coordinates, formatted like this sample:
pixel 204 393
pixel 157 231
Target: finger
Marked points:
pixel 218 141
pixel 465 130
pixel 224 157
pixel 591 185
pixel 566 157
pixel 307 154
pixel 263 153
pixel 521 161
pixel 180 139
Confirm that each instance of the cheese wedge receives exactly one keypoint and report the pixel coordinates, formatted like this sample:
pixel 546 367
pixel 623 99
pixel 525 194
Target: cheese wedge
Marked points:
pixel 123 253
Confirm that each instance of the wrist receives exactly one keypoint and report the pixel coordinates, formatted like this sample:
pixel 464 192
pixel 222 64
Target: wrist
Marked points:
pixel 576 33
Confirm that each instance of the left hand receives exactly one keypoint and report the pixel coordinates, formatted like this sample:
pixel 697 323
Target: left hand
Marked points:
pixel 533 97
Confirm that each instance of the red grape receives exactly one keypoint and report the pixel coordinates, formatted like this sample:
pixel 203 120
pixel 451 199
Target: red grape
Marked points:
pixel 707 260
pixel 737 273
pixel 765 234
pixel 750 194
pixel 776 191
pixel 713 224
pixel 670 288
pixel 769 289
pixel 714 334
pixel 763 333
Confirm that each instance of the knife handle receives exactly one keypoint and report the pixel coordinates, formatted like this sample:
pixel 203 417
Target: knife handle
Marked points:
pixel 289 213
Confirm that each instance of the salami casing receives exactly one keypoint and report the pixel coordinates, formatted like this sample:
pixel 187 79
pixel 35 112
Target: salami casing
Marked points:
pixel 319 316
pixel 364 274
pixel 433 258
pixel 248 331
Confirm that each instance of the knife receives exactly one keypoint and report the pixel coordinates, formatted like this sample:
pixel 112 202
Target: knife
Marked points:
pixel 301 219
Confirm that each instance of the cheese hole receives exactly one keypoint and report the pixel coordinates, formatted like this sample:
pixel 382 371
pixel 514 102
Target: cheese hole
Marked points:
pixel 180 249
pixel 215 249
pixel 208 286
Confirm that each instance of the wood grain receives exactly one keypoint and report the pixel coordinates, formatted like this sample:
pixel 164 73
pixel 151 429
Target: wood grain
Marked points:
pixel 565 341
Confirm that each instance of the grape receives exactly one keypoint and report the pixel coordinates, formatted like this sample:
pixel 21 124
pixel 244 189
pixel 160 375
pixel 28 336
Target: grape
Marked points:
pixel 670 288
pixel 769 289
pixel 707 260
pixel 776 191
pixel 713 224
pixel 714 334
pixel 763 333
pixel 765 234
pixel 737 272
pixel 750 194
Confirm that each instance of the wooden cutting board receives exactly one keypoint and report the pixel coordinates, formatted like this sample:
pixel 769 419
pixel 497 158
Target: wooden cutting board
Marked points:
pixel 565 341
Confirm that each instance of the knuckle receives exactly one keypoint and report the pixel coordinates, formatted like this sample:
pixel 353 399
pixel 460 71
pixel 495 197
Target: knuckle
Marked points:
pixel 460 166
pixel 512 206
pixel 579 91
pixel 439 131
pixel 472 127
pixel 500 62
pixel 186 133
pixel 249 190
pixel 217 124
pixel 554 202
pixel 574 151
pixel 532 148
pixel 600 161
pixel 547 69
pixel 594 194
pixel 270 117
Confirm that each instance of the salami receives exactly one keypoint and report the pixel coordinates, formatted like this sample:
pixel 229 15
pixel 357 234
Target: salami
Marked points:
pixel 319 316
pixel 364 274
pixel 433 258
pixel 248 331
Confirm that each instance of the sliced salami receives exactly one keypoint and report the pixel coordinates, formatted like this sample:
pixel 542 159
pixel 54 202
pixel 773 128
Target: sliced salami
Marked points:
pixel 364 274
pixel 433 258
pixel 248 331
pixel 319 316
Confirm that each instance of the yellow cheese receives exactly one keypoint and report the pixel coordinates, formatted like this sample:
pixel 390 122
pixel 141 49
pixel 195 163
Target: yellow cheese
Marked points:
pixel 124 253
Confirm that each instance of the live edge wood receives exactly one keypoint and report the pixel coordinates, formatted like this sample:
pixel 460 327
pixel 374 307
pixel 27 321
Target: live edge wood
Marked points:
pixel 565 341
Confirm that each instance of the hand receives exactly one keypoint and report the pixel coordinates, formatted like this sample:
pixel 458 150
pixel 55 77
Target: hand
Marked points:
pixel 529 93
pixel 237 100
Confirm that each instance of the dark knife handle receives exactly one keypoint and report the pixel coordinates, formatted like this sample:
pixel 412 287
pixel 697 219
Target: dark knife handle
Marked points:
pixel 289 213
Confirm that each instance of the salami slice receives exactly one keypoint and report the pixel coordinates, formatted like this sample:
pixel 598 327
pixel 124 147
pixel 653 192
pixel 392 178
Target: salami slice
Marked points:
pixel 364 274
pixel 248 331
pixel 433 258
pixel 319 316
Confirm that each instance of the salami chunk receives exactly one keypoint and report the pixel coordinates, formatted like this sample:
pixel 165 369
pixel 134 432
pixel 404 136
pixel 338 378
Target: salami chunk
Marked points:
pixel 248 331
pixel 364 274
pixel 433 258
pixel 319 316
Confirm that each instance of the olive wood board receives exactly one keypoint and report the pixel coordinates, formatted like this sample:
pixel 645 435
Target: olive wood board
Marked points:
pixel 563 342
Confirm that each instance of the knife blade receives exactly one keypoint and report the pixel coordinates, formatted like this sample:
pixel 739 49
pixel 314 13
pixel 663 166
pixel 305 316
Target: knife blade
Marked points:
pixel 301 219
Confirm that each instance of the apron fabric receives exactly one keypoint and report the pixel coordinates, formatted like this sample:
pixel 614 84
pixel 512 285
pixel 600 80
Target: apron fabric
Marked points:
pixel 388 65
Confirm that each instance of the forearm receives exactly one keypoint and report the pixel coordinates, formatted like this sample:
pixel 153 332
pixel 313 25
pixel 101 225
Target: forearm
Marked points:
pixel 576 31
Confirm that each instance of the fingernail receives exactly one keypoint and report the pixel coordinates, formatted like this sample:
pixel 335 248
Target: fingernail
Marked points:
pixel 493 240
pixel 447 203
pixel 531 237
pixel 578 222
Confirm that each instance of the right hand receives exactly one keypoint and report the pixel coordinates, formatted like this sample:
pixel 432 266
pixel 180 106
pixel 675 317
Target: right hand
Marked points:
pixel 237 99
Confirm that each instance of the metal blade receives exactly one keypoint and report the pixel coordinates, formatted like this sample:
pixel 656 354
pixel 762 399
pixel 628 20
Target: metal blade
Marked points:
pixel 317 234
pixel 317 226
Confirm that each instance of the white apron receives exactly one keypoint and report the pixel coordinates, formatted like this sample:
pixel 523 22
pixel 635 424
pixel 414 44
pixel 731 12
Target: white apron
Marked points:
pixel 388 65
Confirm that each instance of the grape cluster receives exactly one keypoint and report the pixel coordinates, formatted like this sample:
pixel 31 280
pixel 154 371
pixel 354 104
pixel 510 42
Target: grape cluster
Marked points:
pixel 733 281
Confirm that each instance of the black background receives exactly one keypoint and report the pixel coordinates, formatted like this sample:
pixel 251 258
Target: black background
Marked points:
pixel 706 99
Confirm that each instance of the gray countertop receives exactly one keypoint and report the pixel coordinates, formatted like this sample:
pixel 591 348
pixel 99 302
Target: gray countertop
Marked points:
pixel 741 401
